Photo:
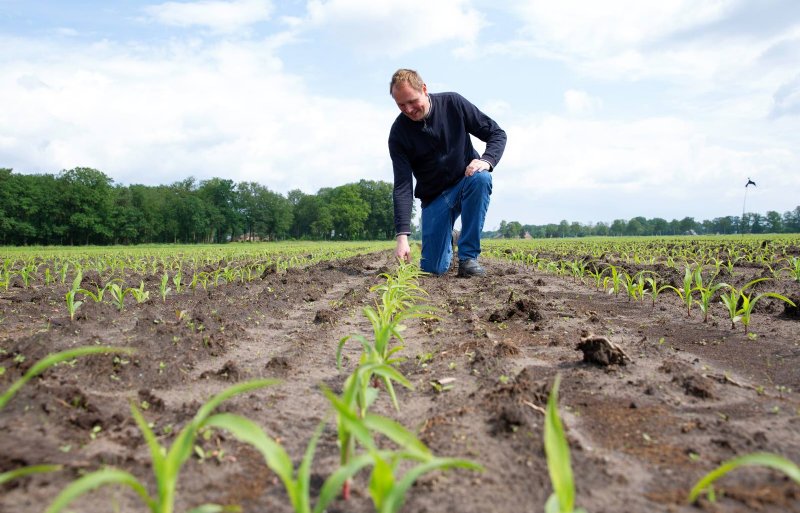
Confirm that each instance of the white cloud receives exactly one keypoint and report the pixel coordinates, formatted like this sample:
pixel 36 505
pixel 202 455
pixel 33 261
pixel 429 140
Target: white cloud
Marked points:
pixel 787 99
pixel 394 27
pixel 566 168
pixel 224 110
pixel 217 15
pixel 580 102
pixel 600 29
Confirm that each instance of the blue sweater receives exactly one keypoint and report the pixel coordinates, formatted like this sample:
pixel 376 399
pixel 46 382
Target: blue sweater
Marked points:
pixel 437 150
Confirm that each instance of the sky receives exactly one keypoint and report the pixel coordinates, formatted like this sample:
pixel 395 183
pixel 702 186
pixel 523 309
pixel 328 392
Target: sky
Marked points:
pixel 613 109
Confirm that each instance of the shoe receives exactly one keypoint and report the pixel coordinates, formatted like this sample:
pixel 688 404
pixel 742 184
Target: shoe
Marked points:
pixel 470 267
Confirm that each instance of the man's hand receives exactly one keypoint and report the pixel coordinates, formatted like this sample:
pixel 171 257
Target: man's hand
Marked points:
pixel 403 250
pixel 476 166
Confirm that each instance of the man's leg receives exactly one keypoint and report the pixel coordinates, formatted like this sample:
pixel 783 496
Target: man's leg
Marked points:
pixel 474 204
pixel 437 226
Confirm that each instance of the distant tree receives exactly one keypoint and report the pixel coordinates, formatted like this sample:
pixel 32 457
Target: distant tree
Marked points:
pixel 348 211
pixel 618 227
pixel 379 224
pixel 774 222
pixel 86 199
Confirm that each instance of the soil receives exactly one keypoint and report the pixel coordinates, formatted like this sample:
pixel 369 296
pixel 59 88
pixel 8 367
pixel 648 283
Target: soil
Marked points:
pixel 652 401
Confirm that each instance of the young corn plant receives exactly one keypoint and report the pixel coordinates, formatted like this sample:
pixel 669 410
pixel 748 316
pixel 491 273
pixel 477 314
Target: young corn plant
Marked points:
pixel 597 276
pixel 166 462
pixel 138 293
pixel 72 304
pixel 762 459
pixel 556 449
pixel 163 288
pixel 98 296
pixel 739 305
pixel 358 396
pixel 706 292
pixel 654 289
pixel 386 490
pixel 685 292
pixel 615 280
pixel 118 293
pixel 793 268
pixel 745 311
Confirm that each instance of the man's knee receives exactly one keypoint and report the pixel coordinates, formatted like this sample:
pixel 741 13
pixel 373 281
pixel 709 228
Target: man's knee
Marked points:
pixel 437 268
pixel 482 180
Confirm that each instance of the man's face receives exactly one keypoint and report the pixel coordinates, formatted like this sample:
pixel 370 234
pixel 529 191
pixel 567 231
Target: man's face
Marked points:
pixel 411 102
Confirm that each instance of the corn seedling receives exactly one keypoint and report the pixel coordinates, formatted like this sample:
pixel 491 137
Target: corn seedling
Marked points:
pixel 706 292
pixel 118 293
pixel 97 297
pixel 176 280
pixel 358 396
pixel 163 288
pixel 138 293
pixel 387 492
pixel 744 313
pixel 556 448
pixel 615 280
pixel 72 304
pixel 793 268
pixel 769 460
pixel 166 463
pixel 740 305
pixel 597 276
pixel 655 290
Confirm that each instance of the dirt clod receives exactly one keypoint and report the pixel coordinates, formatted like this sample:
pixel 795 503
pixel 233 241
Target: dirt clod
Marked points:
pixel 601 351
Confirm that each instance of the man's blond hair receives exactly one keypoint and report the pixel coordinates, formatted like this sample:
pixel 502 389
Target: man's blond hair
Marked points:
pixel 409 76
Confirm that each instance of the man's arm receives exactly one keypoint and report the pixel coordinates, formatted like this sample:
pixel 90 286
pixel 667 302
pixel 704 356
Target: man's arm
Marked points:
pixel 403 192
pixel 487 130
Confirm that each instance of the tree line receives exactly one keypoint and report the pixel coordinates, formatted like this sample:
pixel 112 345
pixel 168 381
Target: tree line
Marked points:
pixel 83 206
pixel 771 222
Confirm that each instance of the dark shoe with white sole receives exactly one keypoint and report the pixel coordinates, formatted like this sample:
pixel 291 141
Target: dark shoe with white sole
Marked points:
pixel 469 268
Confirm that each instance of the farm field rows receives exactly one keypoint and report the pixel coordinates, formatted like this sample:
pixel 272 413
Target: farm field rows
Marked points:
pixel 687 384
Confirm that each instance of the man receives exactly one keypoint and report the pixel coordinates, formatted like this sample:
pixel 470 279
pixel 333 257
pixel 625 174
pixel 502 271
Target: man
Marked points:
pixel 430 141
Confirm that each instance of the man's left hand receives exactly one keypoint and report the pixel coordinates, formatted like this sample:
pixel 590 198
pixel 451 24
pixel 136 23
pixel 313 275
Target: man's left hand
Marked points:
pixel 476 166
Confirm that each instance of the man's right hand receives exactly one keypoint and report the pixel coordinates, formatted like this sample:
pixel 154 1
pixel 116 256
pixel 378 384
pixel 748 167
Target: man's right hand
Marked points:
pixel 403 250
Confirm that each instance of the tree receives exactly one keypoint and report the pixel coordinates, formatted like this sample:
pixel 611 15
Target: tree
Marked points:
pixel 348 211
pixel 774 222
pixel 85 201
pixel 380 221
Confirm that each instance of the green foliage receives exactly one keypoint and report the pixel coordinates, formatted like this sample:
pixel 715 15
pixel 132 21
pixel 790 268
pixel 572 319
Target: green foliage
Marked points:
pixel 83 206
pixel 166 462
pixel 556 448
pixel 769 460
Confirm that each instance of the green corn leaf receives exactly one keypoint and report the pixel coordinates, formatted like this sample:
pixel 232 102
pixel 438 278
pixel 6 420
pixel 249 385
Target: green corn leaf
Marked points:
pixel 394 501
pixel 381 481
pixel 156 451
pixel 95 480
pixel 557 452
pixel 304 472
pixel 249 432
pixel 53 359
pixel 773 461
pixel 397 433
pixel 27 471
pixel 333 485
pixel 215 508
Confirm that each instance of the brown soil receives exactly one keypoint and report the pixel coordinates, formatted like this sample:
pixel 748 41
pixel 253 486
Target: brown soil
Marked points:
pixel 642 427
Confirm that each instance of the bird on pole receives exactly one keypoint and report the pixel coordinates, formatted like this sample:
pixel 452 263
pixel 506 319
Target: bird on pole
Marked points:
pixel 749 183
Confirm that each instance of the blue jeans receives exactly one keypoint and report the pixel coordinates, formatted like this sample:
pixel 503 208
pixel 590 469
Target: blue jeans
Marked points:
pixel 469 199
